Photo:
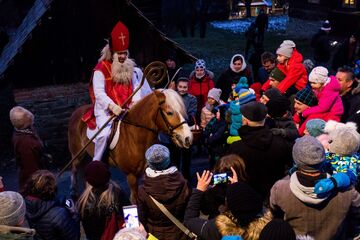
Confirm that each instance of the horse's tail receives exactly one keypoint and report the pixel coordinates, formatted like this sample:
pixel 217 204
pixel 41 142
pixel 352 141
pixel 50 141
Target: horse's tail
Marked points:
pixel 77 130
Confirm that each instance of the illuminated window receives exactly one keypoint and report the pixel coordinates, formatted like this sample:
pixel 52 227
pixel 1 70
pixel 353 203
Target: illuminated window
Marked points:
pixel 349 3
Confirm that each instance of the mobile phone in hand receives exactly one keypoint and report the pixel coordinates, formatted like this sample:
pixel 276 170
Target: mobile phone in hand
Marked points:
pixel 219 178
pixel 131 216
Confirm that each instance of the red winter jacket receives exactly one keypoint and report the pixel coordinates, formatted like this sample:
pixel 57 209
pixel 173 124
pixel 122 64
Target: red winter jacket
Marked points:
pixel 295 73
pixel 200 88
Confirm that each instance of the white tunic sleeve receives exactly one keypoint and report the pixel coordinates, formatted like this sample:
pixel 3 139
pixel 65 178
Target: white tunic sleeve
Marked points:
pixel 102 100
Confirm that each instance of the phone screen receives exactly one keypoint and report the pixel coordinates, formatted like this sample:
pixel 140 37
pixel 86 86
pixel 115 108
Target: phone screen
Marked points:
pixel 131 216
pixel 220 178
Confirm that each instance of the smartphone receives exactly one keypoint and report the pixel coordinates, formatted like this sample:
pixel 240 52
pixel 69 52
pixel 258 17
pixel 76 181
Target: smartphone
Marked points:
pixel 219 178
pixel 131 216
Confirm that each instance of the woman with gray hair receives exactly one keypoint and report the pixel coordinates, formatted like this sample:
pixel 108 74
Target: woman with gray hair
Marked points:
pixel 28 147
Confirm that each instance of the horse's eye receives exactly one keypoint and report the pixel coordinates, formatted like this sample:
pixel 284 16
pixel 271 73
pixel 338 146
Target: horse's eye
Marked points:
pixel 169 113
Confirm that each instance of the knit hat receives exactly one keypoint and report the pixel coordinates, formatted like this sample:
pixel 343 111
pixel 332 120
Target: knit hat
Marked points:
pixel 278 106
pixel 286 48
pixel 319 75
pixel 307 97
pixel 277 229
pixel 158 157
pixel 243 202
pixel 315 127
pixel 326 26
pixel 129 233
pixel 97 174
pixel 344 138
pixel 200 64
pixel 215 93
pixel 21 118
pixel 277 74
pixel 308 153
pixel 254 111
pixel 272 93
pixel 243 83
pixel 12 210
pixel 245 96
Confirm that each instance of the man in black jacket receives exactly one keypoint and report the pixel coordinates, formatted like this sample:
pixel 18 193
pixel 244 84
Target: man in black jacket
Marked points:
pixel 350 95
pixel 266 155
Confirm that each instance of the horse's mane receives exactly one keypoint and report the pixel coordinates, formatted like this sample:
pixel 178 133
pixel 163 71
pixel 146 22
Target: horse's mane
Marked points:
pixel 175 101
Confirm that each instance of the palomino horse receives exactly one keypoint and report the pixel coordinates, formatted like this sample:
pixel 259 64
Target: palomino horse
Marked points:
pixel 159 111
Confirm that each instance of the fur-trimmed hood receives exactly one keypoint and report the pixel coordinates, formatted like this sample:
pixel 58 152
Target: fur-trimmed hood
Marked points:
pixel 227 225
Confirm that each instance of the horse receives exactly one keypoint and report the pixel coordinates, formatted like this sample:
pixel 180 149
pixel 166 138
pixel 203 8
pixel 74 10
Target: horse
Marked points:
pixel 160 111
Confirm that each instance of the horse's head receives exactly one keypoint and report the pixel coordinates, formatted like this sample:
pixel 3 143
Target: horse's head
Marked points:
pixel 172 111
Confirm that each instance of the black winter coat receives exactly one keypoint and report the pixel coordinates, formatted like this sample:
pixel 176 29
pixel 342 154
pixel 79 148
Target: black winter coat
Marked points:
pixel 228 77
pixel 265 156
pixel 50 220
pixel 204 229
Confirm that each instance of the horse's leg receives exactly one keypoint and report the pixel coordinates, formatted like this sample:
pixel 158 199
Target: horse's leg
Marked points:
pixel 132 181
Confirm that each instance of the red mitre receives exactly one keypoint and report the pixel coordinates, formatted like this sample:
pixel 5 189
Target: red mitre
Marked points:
pixel 120 38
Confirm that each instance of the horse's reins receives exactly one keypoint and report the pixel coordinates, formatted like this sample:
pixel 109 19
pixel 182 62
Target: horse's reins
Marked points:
pixel 171 129
pixel 149 71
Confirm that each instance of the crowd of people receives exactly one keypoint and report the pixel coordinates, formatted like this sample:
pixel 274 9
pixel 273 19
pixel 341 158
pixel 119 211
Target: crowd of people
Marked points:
pixel 283 146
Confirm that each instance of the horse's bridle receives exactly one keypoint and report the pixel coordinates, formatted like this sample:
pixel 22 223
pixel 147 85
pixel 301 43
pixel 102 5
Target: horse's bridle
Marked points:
pixel 170 128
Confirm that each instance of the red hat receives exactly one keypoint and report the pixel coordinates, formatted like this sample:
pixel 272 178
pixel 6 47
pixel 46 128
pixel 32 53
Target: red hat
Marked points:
pixel 119 38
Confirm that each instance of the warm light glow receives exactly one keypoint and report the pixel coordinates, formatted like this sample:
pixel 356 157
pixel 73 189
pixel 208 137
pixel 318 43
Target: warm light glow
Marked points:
pixel 349 2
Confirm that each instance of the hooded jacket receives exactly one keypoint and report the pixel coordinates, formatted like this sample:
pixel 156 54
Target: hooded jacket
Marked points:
pixel 265 156
pixel 330 102
pixel 50 221
pixel 308 214
pixel 170 189
pixel 295 71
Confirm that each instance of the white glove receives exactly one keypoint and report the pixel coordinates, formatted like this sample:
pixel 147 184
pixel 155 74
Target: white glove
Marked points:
pixel 115 109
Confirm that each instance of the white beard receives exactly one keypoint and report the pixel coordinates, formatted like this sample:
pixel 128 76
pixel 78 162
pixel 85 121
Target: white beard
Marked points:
pixel 122 72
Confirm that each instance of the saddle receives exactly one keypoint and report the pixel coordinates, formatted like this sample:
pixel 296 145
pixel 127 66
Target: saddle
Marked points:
pixel 114 135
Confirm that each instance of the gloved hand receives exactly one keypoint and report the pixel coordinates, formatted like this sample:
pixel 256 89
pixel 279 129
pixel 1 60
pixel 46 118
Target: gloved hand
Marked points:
pixel 342 180
pixel 115 109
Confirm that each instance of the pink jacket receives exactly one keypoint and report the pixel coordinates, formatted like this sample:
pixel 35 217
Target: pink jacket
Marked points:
pixel 329 102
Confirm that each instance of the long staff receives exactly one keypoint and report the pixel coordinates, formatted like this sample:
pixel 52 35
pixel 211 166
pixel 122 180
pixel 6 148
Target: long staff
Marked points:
pixel 155 72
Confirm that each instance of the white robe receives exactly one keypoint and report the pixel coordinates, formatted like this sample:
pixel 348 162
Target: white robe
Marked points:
pixel 101 108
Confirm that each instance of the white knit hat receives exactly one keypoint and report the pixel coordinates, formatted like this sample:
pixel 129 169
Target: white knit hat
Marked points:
pixel 319 75
pixel 286 48
pixel 12 208
pixel 215 93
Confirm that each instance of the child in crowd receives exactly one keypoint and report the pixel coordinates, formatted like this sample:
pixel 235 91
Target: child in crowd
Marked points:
pixel 342 155
pixel 316 128
pixel 243 96
pixel 214 134
pixel 200 84
pixel 327 90
pixel 213 101
pixel 290 63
